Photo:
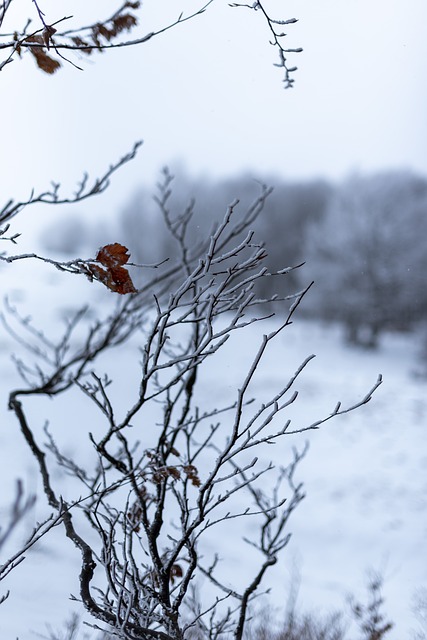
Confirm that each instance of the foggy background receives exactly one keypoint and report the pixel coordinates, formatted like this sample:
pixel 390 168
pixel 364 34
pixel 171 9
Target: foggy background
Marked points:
pixel 206 96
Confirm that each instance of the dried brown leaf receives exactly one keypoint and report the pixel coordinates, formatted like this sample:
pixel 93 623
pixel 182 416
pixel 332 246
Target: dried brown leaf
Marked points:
pixel 35 38
pixel 47 34
pixel 102 30
pixel 44 62
pixel 173 472
pixel 113 255
pixel 192 474
pixel 115 277
pixel 82 44
pixel 176 572
pixel 124 22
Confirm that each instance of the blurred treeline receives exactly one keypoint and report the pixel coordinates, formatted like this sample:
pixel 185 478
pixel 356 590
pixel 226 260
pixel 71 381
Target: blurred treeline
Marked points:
pixel 363 241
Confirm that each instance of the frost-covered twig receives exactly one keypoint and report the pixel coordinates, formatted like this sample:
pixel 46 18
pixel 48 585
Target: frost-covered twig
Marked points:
pixel 168 470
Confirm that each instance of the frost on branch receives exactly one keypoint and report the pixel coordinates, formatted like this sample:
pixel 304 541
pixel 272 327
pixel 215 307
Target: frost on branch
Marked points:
pixel 277 36
pixel 167 470
pixel 49 43
pixel 110 271
pixel 104 33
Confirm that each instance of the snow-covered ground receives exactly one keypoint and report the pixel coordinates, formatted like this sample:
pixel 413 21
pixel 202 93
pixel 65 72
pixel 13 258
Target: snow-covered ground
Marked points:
pixel 365 474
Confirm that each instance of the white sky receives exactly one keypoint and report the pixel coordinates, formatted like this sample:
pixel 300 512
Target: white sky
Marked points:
pixel 207 94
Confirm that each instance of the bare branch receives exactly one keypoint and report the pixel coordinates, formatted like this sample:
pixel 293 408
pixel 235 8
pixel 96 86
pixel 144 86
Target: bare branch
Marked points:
pixel 277 39
pixel 53 196
pixel 155 496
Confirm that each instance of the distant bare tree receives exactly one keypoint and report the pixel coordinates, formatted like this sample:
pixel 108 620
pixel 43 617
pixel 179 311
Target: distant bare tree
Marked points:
pixel 370 617
pixel 369 257
pixel 420 611
pixel 291 205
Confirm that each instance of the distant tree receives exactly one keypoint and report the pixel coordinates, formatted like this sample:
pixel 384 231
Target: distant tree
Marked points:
pixel 67 236
pixel 313 625
pixel 420 611
pixel 421 369
pixel 141 223
pixel 289 210
pixel 367 255
pixel 370 617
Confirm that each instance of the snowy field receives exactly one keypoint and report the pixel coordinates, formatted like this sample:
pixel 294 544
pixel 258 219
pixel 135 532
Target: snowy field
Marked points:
pixel 365 474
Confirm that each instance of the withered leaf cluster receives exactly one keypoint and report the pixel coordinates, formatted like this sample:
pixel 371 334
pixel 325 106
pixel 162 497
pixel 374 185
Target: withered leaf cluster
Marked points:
pixel 100 34
pixel 44 61
pixel 106 31
pixel 113 274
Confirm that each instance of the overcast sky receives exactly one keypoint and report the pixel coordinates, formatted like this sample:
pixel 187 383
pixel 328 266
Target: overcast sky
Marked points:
pixel 207 94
